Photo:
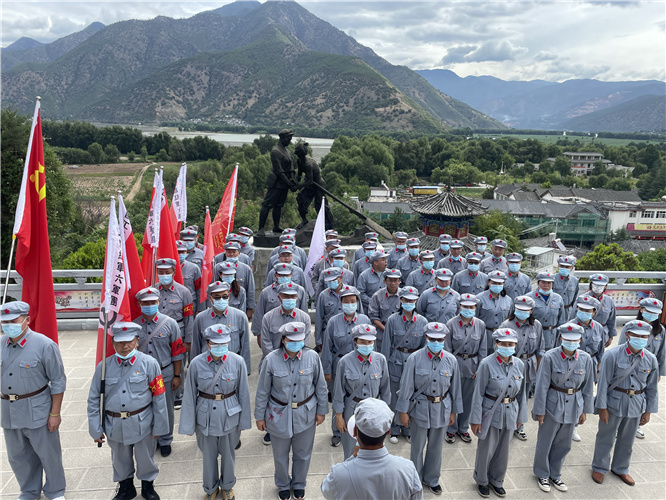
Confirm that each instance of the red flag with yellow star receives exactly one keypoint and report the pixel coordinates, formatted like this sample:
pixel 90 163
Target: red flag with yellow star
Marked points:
pixel 33 253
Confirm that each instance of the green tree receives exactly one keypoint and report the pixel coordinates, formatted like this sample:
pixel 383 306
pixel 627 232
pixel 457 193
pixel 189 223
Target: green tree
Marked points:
pixel 144 153
pixel 496 224
pixel 653 260
pixel 562 165
pixel 162 155
pixel 265 143
pixel 609 258
pixel 89 256
pixel 97 152
pixel 131 156
pixel 112 153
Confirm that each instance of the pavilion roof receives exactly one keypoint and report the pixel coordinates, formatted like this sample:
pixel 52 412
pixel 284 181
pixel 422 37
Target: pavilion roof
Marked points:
pixel 448 204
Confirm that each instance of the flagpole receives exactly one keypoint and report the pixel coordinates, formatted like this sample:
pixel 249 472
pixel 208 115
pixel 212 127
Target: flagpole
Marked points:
pixel 154 270
pixel 9 269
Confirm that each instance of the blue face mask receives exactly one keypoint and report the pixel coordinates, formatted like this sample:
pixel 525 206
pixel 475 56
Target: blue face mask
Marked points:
pixel 467 313
pixel 338 263
pixel 221 304
pixel 514 268
pixel 583 316
pixel 182 257
pixel 435 346
pixel 288 304
pixel 349 308
pixel 12 330
pixel 474 268
pixel 496 289
pixel 522 315
pixel 129 356
pixel 244 239
pixel 284 280
pixel 443 288
pixel 165 279
pixel 570 345
pixel 413 252
pixel 401 247
pixel 409 307
pixel 229 278
pixel 481 248
pixel 149 310
pixel 368 253
pixel 294 346
pixel 333 285
pixel 506 352
pixel 649 317
pixel 365 350
pixel 456 258
pixel 444 248
pixel 544 292
pixel 232 259
pixel 638 343
pixel 219 350
pixel 428 265
pixel 190 245
pixel 564 271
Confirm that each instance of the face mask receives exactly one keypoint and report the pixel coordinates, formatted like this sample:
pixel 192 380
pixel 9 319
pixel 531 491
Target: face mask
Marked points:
pixel 467 313
pixel 368 253
pixel 219 350
pixel 338 263
pixel 570 345
pixel 544 292
pixel 401 247
pixel 284 280
pixel 349 308
pixel 128 356
pixel 443 288
pixel 232 259
pixel 583 316
pixel 564 272
pixel 496 289
pixel 182 257
pixel 638 343
pixel 522 315
pixel 332 285
pixel 294 346
pixel 481 248
pixel 457 258
pixel 649 317
pixel 244 239
pixel 149 310
pixel 409 307
pixel 365 350
pixel 506 352
pixel 165 279
pixel 12 330
pixel 288 304
pixel 229 278
pixel 413 252
pixel 221 304
pixel 435 346
pixel 598 289
pixel 190 245
pixel 428 265
pixel 514 268
pixel 474 268
pixel 444 248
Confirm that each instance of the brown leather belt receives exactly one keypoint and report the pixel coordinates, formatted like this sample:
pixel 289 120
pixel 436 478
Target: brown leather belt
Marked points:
pixel 505 401
pixel 548 328
pixel 126 414
pixel 569 306
pixel 467 356
pixel 437 399
pixel 565 391
pixel 355 399
pixel 630 392
pixel 16 397
pixel 405 350
pixel 215 397
pixel 294 405
pixel 340 355
pixel 526 355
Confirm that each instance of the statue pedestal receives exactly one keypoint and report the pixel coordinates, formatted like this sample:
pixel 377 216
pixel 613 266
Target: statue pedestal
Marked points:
pixel 269 240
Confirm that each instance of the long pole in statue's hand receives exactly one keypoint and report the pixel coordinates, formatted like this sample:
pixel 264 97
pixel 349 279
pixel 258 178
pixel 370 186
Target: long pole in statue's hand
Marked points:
pixel 9 269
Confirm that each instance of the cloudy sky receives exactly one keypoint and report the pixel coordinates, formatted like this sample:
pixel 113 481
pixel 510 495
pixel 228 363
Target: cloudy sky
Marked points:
pixel 552 40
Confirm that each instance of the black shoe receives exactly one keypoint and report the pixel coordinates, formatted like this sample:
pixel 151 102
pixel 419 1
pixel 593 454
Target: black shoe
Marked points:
pixel 330 397
pixel 177 404
pixel 484 491
pixel 277 229
pixel 148 492
pixel 437 489
pixel 267 439
pixel 165 450
pixel 238 445
pixel 125 490
pixel 284 495
pixel 498 490
pixel 302 224
pixel 261 232
pixel 335 441
pixel 299 494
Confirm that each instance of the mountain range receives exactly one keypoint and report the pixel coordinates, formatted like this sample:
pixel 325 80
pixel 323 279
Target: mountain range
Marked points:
pixel 266 64
pixel 578 104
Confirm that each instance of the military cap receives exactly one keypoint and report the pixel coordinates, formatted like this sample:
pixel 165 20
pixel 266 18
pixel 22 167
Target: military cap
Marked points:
pixel 371 236
pixel 289 230
pixel 332 242
pixel 124 331
pixel 638 327
pixel 524 303
pixel 566 261
pixel 505 335
pixel 12 310
pixel 331 232
pixel 427 254
pixel 587 302
pixel 499 243
pixel 570 331
pixel 445 238
pixel 218 286
pixel 443 273
pixel 283 268
pixel 467 299
pixel 412 242
pixel 287 289
pixel 287 238
pixel 181 245
pixel 400 234
pixel 652 305
pixel 285 249
pixel 599 279
pixel 218 334
pixel 497 276
pixel 514 257
pixel 377 255
pixel 348 290
pixel 148 293
pixel 165 263
pixel 372 417
pixel 286 132
pixel 364 332
pixel 408 292
pixel 194 228
pixel 369 245
pixel 332 273
pixel 232 245
pixel 188 235
pixel 544 276
pixel 456 244
pixel 337 252
pixel 294 330
pixel 245 231
pixel 234 237
pixel 474 256
pixel 392 273
pixel 480 240
pixel 436 330
pixel 225 268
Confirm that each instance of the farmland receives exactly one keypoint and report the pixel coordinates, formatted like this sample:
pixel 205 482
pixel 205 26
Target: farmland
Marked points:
pixel 554 137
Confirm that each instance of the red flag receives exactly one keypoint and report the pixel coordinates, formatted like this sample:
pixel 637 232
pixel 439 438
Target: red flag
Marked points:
pixel 115 299
pixel 209 255
pixel 224 219
pixel 133 272
pixel 33 253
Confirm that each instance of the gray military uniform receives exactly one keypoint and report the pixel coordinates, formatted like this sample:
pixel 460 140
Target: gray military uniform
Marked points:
pixel 593 342
pixel 493 311
pixel 245 279
pixel 242 258
pixel 297 277
pixel 176 302
pixel 328 305
pixel 382 305
pixel 347 279
pixel 298 252
pixel 530 345
pixel 490 264
pixel 195 256
pixel 421 279
pixel 247 249
pixel 367 284
pixel 406 265
pixel 271 338
pixel 269 300
pixel 453 265
pixel 285 382
pixel 468 282
pixel 192 281
pixel 361 265
pixel 394 256
pixel 437 308
pixel 239 330
pixel 319 266
pixel 567 288
pixel 605 315
pixel 439 255
pixel 655 345
pixel 517 284
pixel 29 365
pixel 550 313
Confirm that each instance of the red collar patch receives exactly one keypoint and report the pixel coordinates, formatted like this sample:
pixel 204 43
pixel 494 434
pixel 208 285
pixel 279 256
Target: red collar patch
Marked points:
pixel 286 356
pixel 431 355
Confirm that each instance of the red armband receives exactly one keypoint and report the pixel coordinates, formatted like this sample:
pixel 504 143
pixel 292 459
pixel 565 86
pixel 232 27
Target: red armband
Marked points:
pixel 177 347
pixel 197 284
pixel 157 386
pixel 188 310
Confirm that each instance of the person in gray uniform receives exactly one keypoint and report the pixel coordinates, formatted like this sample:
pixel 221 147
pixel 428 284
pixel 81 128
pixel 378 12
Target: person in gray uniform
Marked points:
pixel 360 252
pixel 563 396
pixel 439 303
pixel 548 308
pixel 160 338
pixel 466 341
pixel 516 283
pixel 530 346
pixel 226 272
pixel 244 276
pixel 246 248
pixel 361 373
pixel 430 397
pixel 498 408
pixel 135 412
pixel 410 262
pixel 221 312
pixel 496 262
pixel 232 251
pixel 270 338
pixel 566 284
pixel 481 247
pixel 455 262
pixel 269 300
pixel 288 237
pixel 291 402
pixel 606 314
pixel 334 257
pixel 370 280
pixel 650 311
pixel 347 277
pixel 338 342
pixel 33 386
pixel 423 278
pixel 285 254
pixel 328 303
pixel 470 280
pixel 175 299
pixel 191 275
pixel 400 249
pixel 494 306
pixel 626 396
pixel 216 406
pixel 403 335
pixel 384 302
pixel 369 247
pixel 442 251
pixel 374 474
pixel 194 254
pixel 297 274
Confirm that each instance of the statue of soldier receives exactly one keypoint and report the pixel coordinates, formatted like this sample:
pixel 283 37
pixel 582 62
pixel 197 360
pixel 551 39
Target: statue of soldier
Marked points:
pixel 308 189
pixel 279 182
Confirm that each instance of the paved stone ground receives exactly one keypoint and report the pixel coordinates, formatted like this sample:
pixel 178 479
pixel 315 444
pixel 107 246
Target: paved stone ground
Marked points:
pixel 89 474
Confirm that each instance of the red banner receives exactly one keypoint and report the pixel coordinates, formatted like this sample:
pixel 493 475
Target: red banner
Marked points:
pixel 224 219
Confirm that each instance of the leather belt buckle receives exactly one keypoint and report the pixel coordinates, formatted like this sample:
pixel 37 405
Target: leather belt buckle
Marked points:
pixel 294 406
pixel 631 392
pixel 218 397
pixel 125 415
pixel 13 397
pixel 437 399
pixel 571 391
pixel 506 401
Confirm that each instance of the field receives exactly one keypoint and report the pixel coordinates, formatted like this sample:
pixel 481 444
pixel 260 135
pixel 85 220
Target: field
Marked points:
pixel 553 138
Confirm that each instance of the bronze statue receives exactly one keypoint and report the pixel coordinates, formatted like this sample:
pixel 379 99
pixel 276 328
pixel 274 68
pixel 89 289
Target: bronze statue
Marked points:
pixel 279 182
pixel 310 189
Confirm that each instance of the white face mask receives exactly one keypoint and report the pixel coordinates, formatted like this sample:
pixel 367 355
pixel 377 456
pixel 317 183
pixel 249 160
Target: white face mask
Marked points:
pixel 598 289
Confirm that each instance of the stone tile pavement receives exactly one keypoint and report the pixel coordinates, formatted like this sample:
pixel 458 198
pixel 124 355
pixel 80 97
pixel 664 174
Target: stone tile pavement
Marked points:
pixel 89 475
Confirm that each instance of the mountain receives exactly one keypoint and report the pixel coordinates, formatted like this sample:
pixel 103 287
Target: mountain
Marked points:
pixel 38 52
pixel 642 114
pixel 539 104
pixel 22 43
pixel 115 59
